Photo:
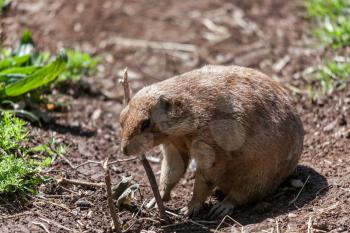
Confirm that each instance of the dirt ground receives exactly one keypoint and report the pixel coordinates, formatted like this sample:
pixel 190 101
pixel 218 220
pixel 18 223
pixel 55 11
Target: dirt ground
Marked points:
pixel 271 35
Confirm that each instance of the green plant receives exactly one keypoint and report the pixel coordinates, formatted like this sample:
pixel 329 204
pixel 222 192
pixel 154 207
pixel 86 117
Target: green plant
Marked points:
pixel 326 8
pixel 331 76
pixel 17 175
pixel 333 30
pixel 12 132
pixel 24 70
pixel 18 81
pixel 4 4
pixel 79 64
pixel 19 172
pixel 25 73
pixel 336 34
pixel 332 17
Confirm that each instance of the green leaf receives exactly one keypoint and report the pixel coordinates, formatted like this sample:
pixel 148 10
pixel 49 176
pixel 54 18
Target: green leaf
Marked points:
pixel 14 61
pixel 38 79
pixel 13 74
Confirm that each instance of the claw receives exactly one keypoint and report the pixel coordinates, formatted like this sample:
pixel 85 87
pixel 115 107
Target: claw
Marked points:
pixel 192 210
pixel 221 209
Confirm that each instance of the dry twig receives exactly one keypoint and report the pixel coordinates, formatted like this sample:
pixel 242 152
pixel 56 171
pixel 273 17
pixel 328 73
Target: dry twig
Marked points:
pixel 296 198
pixel 13 216
pixel 198 224
pixel 134 217
pixel 42 226
pixel 309 225
pixel 277 226
pixel 66 160
pixel 64 181
pixel 233 220
pixel 143 159
pixel 109 163
pixel 124 81
pixel 172 46
pixel 122 160
pixel 56 224
pixel 52 203
pixel 111 205
pixel 87 162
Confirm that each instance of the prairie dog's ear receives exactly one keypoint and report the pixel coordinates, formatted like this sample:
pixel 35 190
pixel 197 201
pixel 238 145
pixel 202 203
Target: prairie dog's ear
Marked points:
pixel 162 109
pixel 164 103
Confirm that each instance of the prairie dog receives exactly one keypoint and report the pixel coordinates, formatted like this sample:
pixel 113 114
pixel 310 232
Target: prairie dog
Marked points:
pixel 237 123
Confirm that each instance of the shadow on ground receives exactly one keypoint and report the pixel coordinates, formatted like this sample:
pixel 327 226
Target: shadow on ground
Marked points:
pixel 69 129
pixel 286 199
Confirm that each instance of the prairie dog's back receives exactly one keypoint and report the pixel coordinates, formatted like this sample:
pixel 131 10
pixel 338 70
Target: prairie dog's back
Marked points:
pixel 214 91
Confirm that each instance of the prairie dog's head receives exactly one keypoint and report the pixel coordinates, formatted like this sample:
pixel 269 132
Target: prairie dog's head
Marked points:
pixel 149 119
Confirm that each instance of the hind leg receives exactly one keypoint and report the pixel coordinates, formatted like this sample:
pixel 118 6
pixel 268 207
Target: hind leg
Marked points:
pixel 201 191
pixel 226 207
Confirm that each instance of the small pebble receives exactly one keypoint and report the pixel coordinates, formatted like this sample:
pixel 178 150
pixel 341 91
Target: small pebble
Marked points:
pixel 83 203
pixel 330 127
pixel 96 114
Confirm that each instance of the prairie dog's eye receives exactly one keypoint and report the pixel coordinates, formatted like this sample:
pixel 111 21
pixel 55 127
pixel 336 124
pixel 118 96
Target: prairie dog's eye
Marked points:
pixel 145 124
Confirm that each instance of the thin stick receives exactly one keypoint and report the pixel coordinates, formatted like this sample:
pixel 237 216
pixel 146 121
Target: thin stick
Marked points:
pixel 296 198
pixel 66 160
pixel 148 219
pixel 143 159
pixel 52 203
pixel 126 87
pixel 134 217
pixel 233 220
pixel 64 181
pixel 56 224
pixel 122 160
pixel 13 216
pixel 42 226
pixel 171 46
pixel 154 186
pixel 87 162
pixel 309 225
pixel 109 163
pixel 277 226
pixel 198 224
pixel 173 214
pixel 111 205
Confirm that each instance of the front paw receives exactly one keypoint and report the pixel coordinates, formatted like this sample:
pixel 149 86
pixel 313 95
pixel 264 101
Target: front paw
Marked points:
pixel 221 209
pixel 192 210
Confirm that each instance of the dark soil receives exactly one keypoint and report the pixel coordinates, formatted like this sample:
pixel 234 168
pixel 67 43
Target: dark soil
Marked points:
pixel 261 34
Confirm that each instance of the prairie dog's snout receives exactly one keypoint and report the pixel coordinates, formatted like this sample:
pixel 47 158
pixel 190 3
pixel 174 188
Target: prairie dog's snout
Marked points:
pixel 238 124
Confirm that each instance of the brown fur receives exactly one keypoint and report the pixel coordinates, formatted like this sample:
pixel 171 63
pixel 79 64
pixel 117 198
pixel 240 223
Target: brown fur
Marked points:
pixel 238 124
